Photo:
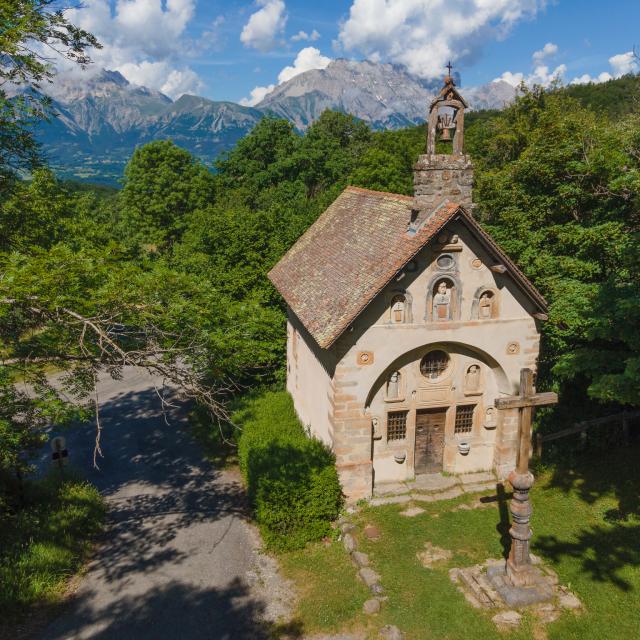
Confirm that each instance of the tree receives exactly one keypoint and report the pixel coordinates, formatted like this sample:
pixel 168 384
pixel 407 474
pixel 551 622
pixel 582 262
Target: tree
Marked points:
pixel 163 186
pixel 30 31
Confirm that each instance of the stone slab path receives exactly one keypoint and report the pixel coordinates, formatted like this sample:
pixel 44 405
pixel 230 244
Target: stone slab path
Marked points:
pixel 178 558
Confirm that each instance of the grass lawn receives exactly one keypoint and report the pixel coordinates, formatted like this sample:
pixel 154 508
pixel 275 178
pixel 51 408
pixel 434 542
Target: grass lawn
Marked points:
pixel 44 543
pixel 586 526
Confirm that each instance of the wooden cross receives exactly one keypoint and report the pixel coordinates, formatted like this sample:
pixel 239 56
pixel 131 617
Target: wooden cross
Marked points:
pixel 525 402
pixel 518 568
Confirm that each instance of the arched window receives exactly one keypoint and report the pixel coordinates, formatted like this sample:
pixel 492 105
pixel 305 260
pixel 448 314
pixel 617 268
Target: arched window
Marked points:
pixel 434 364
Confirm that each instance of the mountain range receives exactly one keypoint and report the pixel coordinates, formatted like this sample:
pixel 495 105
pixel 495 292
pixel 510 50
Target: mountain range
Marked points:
pixel 101 119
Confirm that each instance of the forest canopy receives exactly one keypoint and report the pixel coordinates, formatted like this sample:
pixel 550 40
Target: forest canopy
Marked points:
pixel 169 272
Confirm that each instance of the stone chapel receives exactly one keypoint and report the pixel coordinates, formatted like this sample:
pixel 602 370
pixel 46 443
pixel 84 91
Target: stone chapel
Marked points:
pixel 406 322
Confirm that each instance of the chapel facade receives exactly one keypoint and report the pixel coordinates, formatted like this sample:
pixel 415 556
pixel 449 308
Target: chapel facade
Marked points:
pixel 406 321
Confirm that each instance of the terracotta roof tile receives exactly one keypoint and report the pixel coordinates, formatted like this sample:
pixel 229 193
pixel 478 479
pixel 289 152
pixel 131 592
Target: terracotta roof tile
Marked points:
pixel 345 259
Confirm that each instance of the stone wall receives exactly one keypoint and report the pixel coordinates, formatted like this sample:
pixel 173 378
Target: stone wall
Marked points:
pixel 438 178
pixel 351 430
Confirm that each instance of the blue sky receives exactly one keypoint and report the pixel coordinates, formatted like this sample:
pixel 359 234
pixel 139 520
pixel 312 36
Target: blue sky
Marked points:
pixel 237 50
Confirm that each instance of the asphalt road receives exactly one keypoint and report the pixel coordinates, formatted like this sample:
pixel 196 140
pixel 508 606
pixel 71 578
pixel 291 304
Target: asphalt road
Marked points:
pixel 178 558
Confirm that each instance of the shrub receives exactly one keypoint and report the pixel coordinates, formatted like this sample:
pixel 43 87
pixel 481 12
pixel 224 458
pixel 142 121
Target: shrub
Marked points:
pixel 44 542
pixel 291 478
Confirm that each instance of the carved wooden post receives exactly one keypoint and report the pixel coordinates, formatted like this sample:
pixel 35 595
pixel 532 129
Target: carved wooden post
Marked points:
pixel 521 479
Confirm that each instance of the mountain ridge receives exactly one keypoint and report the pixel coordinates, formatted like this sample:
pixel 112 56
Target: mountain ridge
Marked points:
pixel 104 118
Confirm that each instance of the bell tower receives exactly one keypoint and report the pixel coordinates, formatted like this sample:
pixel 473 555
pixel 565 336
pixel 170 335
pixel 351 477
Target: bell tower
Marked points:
pixel 439 178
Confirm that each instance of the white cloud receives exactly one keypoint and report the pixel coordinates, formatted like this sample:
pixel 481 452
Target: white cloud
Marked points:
pixel 424 34
pixel 257 95
pixel 623 63
pixel 541 75
pixel 307 59
pixel 585 78
pixel 142 39
pixel 303 35
pixel 514 79
pixel 265 25
pixel 548 50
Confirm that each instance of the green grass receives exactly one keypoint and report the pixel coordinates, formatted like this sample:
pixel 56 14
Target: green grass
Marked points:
pixel 44 543
pixel 330 597
pixel 586 526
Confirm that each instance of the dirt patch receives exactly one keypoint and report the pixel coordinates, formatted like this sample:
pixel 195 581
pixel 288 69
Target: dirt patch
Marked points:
pixel 433 554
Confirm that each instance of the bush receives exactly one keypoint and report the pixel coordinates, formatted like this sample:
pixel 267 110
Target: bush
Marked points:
pixel 291 478
pixel 44 542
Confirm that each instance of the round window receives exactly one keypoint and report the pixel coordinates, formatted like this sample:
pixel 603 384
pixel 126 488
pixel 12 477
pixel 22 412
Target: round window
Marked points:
pixel 445 261
pixel 434 364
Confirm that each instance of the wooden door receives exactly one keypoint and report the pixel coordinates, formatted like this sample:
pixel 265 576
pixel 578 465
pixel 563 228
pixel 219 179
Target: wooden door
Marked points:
pixel 429 440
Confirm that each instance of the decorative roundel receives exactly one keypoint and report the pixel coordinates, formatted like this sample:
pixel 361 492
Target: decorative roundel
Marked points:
pixel 476 263
pixel 445 262
pixel 513 348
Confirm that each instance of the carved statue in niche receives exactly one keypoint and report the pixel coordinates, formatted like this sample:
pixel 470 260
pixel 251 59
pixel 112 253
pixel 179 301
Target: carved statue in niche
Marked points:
pixel 393 386
pixel 485 306
pixel 490 418
pixel 442 302
pixel 472 379
pixel 398 305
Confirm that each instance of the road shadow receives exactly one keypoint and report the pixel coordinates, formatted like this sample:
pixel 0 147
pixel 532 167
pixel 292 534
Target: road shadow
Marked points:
pixel 176 611
pixel 160 490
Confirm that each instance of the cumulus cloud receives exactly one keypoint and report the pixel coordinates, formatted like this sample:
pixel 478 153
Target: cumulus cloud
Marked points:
pixel 621 64
pixel 257 95
pixel 142 39
pixel 307 59
pixel 265 25
pixel 541 75
pixel 424 34
pixel 547 51
pixel 303 35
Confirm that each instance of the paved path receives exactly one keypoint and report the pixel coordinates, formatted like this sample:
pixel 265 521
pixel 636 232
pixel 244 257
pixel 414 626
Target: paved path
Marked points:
pixel 178 559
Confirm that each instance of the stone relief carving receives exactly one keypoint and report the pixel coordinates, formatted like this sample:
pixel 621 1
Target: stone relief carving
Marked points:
pixel 485 306
pixel 442 302
pixel 398 305
pixel 490 418
pixel 393 386
pixel 472 380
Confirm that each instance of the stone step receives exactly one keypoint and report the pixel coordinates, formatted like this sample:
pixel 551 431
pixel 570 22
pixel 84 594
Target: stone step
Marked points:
pixel 474 478
pixel 432 482
pixel 480 486
pixel 449 494
pixel 376 502
pixel 481 588
pixel 390 488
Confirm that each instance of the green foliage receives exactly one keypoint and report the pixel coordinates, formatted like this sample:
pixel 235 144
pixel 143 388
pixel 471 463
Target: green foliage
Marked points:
pixel 44 542
pixel 27 26
pixel 163 185
pixel 291 478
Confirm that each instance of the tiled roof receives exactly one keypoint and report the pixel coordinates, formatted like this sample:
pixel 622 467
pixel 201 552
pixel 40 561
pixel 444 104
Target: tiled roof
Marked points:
pixel 351 252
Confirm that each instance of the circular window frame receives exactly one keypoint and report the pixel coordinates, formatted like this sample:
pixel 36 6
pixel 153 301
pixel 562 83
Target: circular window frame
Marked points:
pixel 450 258
pixel 445 372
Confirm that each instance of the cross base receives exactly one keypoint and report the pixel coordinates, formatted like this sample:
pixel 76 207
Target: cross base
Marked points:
pixel 521 587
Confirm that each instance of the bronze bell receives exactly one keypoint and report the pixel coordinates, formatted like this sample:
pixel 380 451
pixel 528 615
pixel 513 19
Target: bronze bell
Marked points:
pixel 446 135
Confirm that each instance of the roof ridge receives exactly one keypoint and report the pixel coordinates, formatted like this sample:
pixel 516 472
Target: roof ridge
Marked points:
pixel 399 196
